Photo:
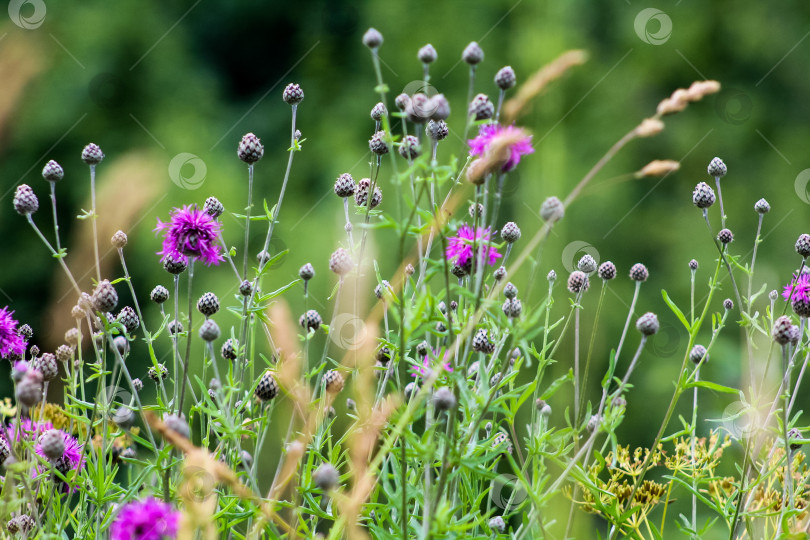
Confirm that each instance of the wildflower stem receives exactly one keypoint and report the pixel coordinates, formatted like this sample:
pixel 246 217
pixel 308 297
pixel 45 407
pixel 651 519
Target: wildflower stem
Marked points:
pixel 720 199
pixel 247 222
pixel 175 353
pixel 470 92
pixel 692 297
pixel 591 345
pixel 188 337
pixel 753 261
pixel 787 493
pixel 629 318
pixel 694 438
pixel 55 221
pixel 54 253
pixel 93 220
pixel 577 389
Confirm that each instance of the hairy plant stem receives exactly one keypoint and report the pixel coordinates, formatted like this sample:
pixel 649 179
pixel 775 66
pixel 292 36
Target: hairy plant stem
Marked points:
pixel 93 220
pixel 591 346
pixel 55 254
pixel 629 318
pixel 55 221
pixel 189 333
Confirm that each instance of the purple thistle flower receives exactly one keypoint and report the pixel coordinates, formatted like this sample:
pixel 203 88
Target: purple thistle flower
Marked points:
pixel 460 247
pixel 425 370
pixel 11 343
pixel 191 232
pixel 149 519
pixel 72 455
pixel 28 430
pixel 491 136
pixel 799 286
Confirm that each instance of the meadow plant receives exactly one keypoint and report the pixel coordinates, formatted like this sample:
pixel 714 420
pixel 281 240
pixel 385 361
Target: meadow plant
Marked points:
pixel 417 403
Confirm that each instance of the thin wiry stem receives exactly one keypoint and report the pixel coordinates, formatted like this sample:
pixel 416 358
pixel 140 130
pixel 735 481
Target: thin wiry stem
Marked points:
pixel 93 218
pixel 188 337
pixel 629 318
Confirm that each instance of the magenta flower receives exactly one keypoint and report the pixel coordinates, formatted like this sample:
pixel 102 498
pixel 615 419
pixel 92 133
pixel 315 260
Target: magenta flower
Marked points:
pixel 460 247
pixel 72 459
pixel 495 138
pixel 425 370
pixel 11 343
pixel 149 519
pixel 800 287
pixel 191 232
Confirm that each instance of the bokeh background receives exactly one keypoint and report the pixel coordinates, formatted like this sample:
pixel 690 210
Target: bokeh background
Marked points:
pixel 151 81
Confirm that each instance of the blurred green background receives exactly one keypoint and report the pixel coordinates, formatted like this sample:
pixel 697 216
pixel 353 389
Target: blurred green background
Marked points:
pixel 148 81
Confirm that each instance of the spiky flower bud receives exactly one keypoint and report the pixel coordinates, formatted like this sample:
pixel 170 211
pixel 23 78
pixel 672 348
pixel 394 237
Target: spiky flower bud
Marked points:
pixel 725 236
pixel 104 296
pixel 502 441
pixel 341 262
pixel 409 148
pixel 21 524
pixel 551 276
pixel 345 186
pixel 803 245
pixel 129 319
pixel 509 290
pixel 781 330
pixel 419 109
pixel 25 201
pixel 402 101
pixel 505 78
pixel 159 294
pixel 123 417
pixel 647 324
pixel 311 320
pixel 693 265
pixel 578 282
pixel 500 273
pixel 47 366
pixel 52 172
pixel 377 144
pixel 593 423
pixel 476 210
pixel 268 387
pixel 698 354
pixel 306 272
pixel 137 384
pixel 728 304
pixel 293 95
pixel 440 108
pixel 512 308
pixel 497 524
pixel 792 436
pixel 121 344
pixel 72 336
pixel 773 295
pixel 361 195
pixel 409 269
pixel 29 389
pixel 510 232
pixel 801 307
pixel 587 264
pixel 209 330
pixel 250 149
pixel 52 444
pixel 208 304
pixel 762 207
pixel 158 373
pixel 333 381
pixel 326 477
pixel 473 54
pixel 92 154
pixel 228 350
pixel 175 327
pixel 717 168
pixel 119 240
pixel 639 272
pixel 443 399
pixel 437 130
pixel 372 38
pixel 213 207
pixel 378 111
pixel 383 287
pixel 427 54
pixel 607 270
pixel 246 288
pixel 703 195
pixel 481 342
pixel 552 210
pixel 25 331
pixel 174 266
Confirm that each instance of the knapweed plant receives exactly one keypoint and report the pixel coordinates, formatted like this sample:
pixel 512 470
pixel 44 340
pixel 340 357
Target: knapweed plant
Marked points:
pixel 418 403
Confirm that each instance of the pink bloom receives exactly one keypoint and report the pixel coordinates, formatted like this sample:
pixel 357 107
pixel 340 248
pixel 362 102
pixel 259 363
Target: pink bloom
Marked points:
pixel 425 370
pixel 149 519
pixel 460 247
pixel 190 232
pixel 493 136
pixel 800 287
pixel 11 343
pixel 71 457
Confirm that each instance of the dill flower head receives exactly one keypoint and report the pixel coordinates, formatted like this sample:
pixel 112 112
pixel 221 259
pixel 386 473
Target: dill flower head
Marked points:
pixel 149 519
pixel 460 247
pixel 191 232
pixel 798 288
pixel 501 144
pixel 11 342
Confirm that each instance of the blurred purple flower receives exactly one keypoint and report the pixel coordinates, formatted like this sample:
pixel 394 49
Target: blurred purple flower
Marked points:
pixel 425 370
pixel 11 343
pixel 460 247
pixel 191 232
pixel 494 137
pixel 149 519
pixel 800 287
